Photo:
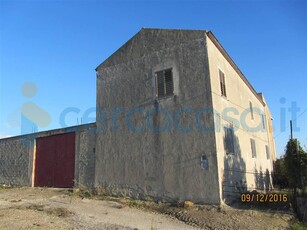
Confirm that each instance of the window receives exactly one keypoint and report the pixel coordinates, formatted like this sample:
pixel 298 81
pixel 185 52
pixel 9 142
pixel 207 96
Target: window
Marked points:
pixel 204 162
pixel 228 140
pixel 222 83
pixel 267 151
pixel 263 121
pixel 251 110
pixel 164 83
pixel 253 148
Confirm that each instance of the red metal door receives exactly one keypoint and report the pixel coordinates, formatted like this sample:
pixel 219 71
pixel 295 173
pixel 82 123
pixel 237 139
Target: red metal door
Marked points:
pixel 55 161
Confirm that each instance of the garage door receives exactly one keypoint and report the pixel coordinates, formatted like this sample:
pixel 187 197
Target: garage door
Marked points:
pixel 55 161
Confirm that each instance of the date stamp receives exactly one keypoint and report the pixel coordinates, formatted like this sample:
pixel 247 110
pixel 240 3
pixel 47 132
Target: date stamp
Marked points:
pixel 264 198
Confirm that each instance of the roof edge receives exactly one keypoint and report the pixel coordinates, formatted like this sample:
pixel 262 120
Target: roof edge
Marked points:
pixel 119 48
pixel 144 29
pixel 51 132
pixel 233 64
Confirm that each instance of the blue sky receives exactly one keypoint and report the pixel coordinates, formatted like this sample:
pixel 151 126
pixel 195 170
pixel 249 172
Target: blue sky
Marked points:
pixel 57 45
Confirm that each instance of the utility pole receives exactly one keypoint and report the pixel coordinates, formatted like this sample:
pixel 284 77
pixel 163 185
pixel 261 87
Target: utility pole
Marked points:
pixel 291 133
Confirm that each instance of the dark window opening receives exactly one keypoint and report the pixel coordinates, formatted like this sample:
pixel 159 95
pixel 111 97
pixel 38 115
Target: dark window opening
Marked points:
pixel 253 148
pixel 229 140
pixel 267 151
pixel 263 121
pixel 204 162
pixel 164 83
pixel 222 83
pixel 251 110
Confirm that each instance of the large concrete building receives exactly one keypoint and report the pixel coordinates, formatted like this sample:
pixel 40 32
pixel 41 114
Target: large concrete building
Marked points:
pixel 176 120
pixel 182 123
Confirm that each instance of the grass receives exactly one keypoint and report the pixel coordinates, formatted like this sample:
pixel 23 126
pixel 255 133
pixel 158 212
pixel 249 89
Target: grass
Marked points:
pixel 36 207
pixel 59 212
pixel 302 192
pixel 55 211
pixel 135 203
pixel 2 186
pixel 83 191
pixel 299 225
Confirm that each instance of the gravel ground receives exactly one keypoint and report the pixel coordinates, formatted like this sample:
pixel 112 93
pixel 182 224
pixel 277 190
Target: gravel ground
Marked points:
pixel 46 208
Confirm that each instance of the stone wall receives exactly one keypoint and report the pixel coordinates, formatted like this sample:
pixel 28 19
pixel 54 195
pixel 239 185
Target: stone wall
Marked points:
pixel 16 156
pixel 85 156
pixel 132 158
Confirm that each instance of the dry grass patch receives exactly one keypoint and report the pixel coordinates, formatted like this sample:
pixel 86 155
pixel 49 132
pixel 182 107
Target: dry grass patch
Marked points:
pixel 55 211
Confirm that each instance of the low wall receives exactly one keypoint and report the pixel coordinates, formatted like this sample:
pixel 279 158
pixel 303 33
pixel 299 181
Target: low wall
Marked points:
pixel 16 160
pixel 16 156
pixel 85 156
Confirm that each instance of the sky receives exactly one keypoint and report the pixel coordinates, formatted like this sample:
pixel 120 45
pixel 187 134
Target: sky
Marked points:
pixel 49 50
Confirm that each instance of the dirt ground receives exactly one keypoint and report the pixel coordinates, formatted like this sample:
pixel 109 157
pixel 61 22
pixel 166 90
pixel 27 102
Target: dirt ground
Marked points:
pixel 46 208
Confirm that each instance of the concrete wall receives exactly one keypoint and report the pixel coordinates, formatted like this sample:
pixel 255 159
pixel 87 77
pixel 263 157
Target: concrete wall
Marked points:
pixel 17 156
pixel 85 156
pixel 238 171
pixel 164 165
pixel 270 133
pixel 16 160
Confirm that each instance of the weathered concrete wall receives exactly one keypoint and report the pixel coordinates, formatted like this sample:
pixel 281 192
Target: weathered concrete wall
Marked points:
pixel 16 156
pixel 165 165
pixel 85 156
pixel 238 171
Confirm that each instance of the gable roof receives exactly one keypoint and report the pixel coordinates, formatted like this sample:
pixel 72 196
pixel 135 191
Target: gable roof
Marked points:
pixel 150 40
pixel 146 41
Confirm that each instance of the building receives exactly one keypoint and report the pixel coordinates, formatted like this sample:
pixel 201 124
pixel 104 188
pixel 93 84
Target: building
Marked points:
pixel 177 120
pixel 55 158
pixel 181 122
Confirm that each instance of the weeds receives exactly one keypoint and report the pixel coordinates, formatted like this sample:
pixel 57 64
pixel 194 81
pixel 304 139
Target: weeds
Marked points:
pixel 36 207
pixel 57 211
pixel 135 204
pixel 299 225
pixel 83 191
pixel 3 186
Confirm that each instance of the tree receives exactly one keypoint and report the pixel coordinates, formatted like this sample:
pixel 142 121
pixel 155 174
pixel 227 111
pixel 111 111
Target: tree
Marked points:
pixel 295 164
pixel 280 178
pixel 304 169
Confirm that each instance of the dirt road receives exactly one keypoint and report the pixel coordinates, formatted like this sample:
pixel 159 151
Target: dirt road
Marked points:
pixel 42 208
